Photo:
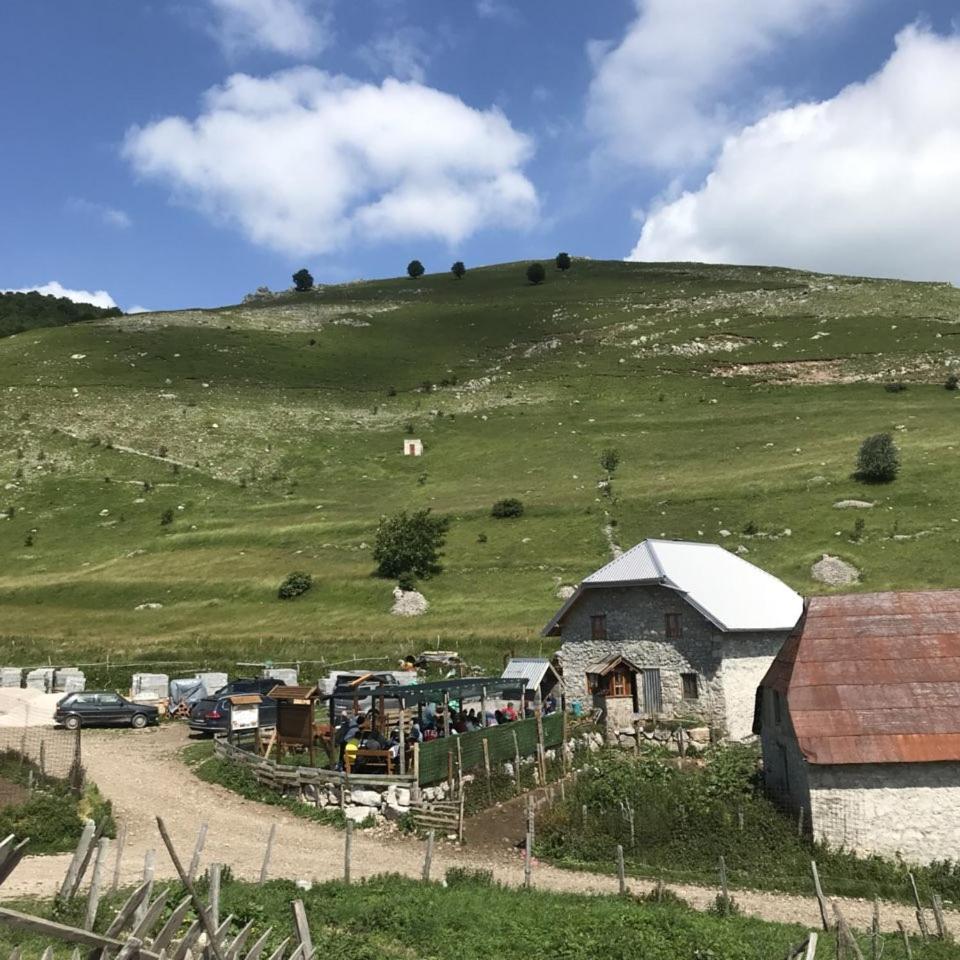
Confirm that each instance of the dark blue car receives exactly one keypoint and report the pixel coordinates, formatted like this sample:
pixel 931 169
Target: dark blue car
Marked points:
pixel 212 714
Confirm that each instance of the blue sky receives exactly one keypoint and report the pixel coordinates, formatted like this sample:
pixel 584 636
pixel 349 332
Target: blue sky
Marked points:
pixel 356 135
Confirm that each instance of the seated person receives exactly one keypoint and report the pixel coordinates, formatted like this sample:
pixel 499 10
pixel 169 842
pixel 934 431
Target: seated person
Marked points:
pixel 510 714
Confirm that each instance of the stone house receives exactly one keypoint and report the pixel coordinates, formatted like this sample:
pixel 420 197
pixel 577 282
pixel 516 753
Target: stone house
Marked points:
pixel 674 629
pixel 859 721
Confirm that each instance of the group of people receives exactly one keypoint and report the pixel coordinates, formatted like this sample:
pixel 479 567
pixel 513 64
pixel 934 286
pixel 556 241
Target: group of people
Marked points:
pixel 358 732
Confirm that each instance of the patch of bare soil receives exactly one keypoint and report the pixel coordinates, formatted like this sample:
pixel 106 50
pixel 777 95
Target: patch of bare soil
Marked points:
pixel 793 371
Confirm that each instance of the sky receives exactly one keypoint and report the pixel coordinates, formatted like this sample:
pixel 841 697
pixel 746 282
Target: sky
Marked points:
pixel 159 154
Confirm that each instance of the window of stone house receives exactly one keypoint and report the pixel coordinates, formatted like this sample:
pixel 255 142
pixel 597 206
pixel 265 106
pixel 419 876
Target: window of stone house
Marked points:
pixel 598 626
pixel 672 625
pixel 776 707
pixel 620 685
pixel 691 686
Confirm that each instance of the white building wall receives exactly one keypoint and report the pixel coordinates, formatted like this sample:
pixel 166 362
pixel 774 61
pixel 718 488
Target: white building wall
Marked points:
pixel 910 810
pixel 746 659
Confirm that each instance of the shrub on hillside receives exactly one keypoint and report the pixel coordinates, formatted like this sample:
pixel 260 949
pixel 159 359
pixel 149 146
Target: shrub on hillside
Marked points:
pixel 166 518
pixel 294 585
pixel 952 382
pixel 563 261
pixel 536 273
pixel 415 269
pixel 878 460
pixel 458 269
pixel 406 582
pixel 895 387
pixel 410 544
pixel 610 460
pixel 509 507
pixel 303 281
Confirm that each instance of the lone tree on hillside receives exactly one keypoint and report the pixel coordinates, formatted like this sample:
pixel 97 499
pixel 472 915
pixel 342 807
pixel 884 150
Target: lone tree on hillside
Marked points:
pixel 563 261
pixel 458 269
pixel 878 460
pixel 410 544
pixel 415 269
pixel 610 460
pixel 303 281
pixel 536 274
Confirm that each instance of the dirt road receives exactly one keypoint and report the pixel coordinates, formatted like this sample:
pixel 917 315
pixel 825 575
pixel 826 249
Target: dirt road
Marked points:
pixel 139 771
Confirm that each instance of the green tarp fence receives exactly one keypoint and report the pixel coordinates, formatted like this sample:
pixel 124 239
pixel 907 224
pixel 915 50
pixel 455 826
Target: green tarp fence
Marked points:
pixel 433 753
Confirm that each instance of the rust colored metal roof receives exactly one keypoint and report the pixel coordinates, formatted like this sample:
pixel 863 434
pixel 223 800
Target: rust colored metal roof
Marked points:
pixel 874 678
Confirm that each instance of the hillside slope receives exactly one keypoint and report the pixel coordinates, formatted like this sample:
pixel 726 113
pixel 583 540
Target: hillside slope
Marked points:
pixel 737 398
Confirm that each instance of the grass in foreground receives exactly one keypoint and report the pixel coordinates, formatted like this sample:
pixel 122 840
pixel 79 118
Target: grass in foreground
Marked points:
pixel 472 919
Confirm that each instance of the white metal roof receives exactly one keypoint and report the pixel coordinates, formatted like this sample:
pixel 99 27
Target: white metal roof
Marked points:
pixel 531 669
pixel 732 593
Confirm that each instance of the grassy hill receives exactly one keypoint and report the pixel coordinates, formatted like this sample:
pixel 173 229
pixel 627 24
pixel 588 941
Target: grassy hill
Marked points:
pixel 737 398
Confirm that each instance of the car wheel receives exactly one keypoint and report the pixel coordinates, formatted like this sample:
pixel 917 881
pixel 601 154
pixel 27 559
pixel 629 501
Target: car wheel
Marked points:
pixel 139 721
pixel 72 723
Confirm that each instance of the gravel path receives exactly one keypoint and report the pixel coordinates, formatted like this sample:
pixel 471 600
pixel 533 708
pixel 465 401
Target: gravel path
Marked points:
pixel 140 772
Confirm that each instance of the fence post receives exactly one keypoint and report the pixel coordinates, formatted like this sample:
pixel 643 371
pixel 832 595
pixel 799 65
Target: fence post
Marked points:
pixel 724 889
pixel 906 940
pixel 93 898
pixel 121 840
pixel 486 768
pixel 428 857
pixel 416 763
pixel 347 851
pixel 76 766
pixel 621 871
pixel 938 916
pixel 265 868
pixel 197 851
pixel 213 876
pixel 921 919
pixel 516 758
pixel 821 899
pixel 403 741
pixel 528 860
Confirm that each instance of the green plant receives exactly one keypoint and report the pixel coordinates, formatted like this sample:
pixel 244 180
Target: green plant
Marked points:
pixel 415 269
pixel 294 585
pixel 878 460
pixel 536 273
pixel 467 877
pixel 610 460
pixel 751 529
pixel 952 382
pixel 481 537
pixel 458 269
pixel 506 508
pixel 410 543
pixel 406 581
pixel 166 518
pixel 302 280
pixel 895 387
pixel 858 527
pixel 563 261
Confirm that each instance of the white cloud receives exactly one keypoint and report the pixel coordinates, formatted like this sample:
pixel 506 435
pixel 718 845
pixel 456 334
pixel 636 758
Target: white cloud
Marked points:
pixel 402 53
pixel 137 308
pixel 667 94
pixel 296 28
pixel 107 214
pixel 497 10
pixel 54 288
pixel 864 183
pixel 305 162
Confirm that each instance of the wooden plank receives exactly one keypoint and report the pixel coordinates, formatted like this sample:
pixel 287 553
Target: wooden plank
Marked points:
pixel 6 847
pixel 197 851
pixel 302 927
pixel 189 938
pixel 13 859
pixel 278 953
pixel 208 926
pixel 921 919
pixel 938 916
pixel 254 952
pixel 906 940
pixel 59 931
pixel 821 899
pixel 238 942
pixel 126 912
pixel 347 848
pixel 170 929
pixel 79 855
pixel 213 875
pixel 149 869
pixel 621 872
pixel 150 917
pixel 93 897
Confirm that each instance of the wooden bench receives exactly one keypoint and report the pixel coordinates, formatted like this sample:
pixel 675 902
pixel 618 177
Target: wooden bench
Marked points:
pixel 380 758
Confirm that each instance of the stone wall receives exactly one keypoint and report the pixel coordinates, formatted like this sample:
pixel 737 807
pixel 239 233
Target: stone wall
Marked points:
pixel 910 810
pixel 728 666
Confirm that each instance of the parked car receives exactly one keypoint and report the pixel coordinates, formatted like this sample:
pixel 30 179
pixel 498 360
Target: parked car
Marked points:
pixel 102 708
pixel 212 714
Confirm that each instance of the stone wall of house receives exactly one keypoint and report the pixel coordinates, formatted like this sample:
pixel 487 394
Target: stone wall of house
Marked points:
pixel 728 666
pixel 911 810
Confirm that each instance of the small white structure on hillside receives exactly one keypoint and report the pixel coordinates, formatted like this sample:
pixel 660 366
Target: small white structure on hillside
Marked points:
pixel 413 448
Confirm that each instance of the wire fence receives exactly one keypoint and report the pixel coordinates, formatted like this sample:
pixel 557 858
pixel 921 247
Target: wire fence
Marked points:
pixel 36 754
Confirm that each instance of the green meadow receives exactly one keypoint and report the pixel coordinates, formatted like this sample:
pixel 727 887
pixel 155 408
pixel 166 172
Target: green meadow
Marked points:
pixel 273 432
